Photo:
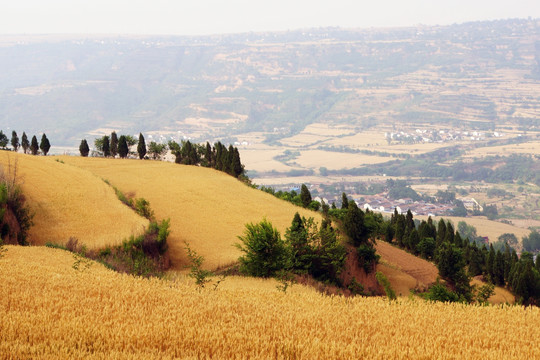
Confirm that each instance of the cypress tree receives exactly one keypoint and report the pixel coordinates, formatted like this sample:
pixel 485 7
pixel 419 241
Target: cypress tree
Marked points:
pixel 237 167
pixel 498 269
pixel 141 147
pixel 122 147
pixel 400 229
pixel 459 241
pixel 305 196
pixel 344 201
pixel 354 225
pixel 409 221
pixel 14 140
pixel 34 146
pixel 414 240
pixel 44 145
pixel 476 261
pixel 106 147
pixel 449 235
pixel 25 143
pixel 441 232
pixel 3 140
pixel 114 144
pixel 83 148
pixel 490 262
pixel 208 154
pixel 297 237
pixel 229 168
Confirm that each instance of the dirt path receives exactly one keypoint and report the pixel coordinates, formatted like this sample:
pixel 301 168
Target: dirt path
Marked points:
pixel 424 272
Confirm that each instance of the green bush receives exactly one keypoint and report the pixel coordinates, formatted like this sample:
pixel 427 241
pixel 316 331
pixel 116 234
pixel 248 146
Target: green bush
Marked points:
pixel 264 251
pixel 367 257
pixel 439 292
pixel 142 207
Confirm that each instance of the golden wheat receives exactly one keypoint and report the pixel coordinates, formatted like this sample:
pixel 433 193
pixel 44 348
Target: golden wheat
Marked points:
pixel 207 208
pixel 50 310
pixel 70 202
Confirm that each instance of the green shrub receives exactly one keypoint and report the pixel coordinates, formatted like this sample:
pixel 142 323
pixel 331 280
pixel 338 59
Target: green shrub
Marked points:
pixel 367 257
pixel 439 292
pixel 264 251
pixel 142 207
pixel 383 281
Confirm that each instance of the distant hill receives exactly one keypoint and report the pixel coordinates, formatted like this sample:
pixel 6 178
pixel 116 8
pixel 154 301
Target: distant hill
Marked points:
pixel 475 74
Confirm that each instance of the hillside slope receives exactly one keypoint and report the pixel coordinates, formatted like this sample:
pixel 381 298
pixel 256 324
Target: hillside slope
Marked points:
pixel 100 314
pixel 70 202
pixel 208 209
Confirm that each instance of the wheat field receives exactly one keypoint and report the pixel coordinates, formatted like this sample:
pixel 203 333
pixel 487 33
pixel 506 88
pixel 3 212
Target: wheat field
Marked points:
pixel 70 202
pixel 208 209
pixel 48 310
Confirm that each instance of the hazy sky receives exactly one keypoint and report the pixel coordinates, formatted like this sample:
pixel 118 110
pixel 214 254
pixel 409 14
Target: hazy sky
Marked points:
pixel 227 16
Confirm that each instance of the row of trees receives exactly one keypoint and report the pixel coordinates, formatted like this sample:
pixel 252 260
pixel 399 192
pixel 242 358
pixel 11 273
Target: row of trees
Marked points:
pixel 111 146
pixel 32 147
pixel 458 259
pixel 218 156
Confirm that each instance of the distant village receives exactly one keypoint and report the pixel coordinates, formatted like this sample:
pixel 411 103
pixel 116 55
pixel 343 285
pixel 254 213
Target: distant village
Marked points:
pixel 429 136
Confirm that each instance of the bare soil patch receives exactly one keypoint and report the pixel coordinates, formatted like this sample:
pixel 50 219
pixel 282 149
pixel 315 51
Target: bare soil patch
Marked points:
pixel 424 272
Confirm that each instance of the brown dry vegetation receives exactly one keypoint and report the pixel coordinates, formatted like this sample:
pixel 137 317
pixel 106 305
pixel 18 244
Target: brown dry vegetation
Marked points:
pixel 484 227
pixel 501 295
pixel 207 208
pixel 397 263
pixel 100 314
pixel 71 202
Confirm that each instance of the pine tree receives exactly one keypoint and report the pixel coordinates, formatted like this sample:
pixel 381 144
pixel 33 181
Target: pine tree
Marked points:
pixel 141 147
pixel 106 146
pixel 114 144
pixel 122 147
pixel 44 145
pixel 34 146
pixel 83 148
pixel 14 141
pixel 25 143
pixel 305 196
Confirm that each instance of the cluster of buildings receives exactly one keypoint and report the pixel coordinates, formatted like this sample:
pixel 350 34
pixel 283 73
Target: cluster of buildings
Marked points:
pixel 382 204
pixel 428 136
